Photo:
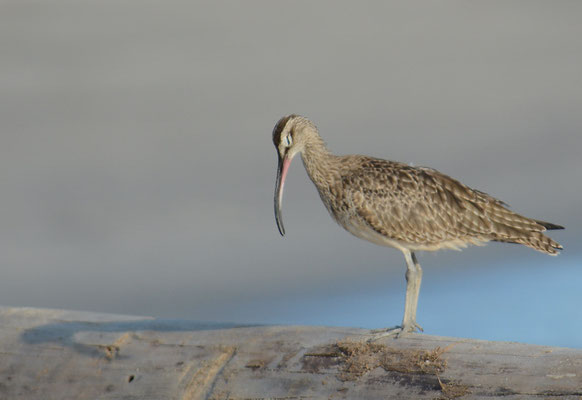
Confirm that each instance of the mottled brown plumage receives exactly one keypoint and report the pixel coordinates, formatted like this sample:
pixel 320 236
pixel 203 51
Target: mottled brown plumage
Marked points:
pixel 394 204
pixel 424 209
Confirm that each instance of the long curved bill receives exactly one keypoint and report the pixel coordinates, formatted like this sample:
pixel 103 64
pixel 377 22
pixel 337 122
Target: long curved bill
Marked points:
pixel 282 169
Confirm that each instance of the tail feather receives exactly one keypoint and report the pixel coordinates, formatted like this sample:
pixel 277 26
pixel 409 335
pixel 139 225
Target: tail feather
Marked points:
pixel 511 227
pixel 483 217
pixel 537 241
pixel 543 243
pixel 549 225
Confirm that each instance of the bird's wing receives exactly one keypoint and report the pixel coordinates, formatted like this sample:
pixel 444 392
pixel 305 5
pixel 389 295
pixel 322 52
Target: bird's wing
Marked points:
pixel 422 205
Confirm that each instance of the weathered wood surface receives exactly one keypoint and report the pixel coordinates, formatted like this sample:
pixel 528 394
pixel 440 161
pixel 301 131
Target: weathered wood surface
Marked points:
pixel 49 354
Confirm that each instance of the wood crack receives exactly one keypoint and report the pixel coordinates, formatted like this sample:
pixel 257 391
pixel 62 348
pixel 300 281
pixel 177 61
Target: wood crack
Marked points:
pixel 203 379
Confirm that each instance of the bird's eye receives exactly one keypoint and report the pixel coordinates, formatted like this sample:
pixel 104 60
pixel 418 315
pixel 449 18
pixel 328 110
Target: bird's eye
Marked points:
pixel 287 140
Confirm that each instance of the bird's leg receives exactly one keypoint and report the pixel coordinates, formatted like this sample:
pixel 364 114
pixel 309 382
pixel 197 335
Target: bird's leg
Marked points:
pixel 413 279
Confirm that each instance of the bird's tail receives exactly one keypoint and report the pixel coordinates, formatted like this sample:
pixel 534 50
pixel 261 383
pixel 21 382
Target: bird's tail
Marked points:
pixel 514 228
pixel 538 241
pixel 549 225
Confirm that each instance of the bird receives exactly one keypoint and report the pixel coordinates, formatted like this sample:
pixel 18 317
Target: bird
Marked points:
pixel 397 205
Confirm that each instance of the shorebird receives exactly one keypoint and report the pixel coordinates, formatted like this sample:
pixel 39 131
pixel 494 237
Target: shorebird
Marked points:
pixel 394 204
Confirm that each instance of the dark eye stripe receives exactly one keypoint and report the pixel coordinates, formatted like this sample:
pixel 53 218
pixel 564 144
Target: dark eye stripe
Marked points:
pixel 279 128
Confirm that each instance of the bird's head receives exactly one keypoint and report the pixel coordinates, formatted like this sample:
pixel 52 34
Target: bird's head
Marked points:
pixel 290 136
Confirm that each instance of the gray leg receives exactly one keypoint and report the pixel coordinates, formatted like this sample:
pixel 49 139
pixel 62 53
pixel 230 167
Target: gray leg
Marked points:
pixel 418 281
pixel 413 279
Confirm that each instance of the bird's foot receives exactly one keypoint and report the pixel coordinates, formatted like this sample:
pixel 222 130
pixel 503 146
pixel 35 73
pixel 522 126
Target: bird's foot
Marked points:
pixel 396 332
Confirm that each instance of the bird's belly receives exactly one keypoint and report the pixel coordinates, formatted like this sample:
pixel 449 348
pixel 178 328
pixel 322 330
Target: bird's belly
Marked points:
pixel 359 228
pixel 363 231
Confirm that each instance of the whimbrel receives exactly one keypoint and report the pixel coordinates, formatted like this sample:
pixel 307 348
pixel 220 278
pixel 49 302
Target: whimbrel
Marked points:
pixel 394 204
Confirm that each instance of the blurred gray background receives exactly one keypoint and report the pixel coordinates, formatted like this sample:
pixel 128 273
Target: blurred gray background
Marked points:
pixel 137 168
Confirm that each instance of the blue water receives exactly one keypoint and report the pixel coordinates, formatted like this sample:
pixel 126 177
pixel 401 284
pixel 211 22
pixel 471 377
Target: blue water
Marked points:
pixel 528 304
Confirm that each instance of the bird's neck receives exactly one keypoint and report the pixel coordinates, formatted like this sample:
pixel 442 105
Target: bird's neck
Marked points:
pixel 318 161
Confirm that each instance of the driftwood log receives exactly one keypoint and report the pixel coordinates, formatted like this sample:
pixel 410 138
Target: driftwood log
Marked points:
pixel 50 354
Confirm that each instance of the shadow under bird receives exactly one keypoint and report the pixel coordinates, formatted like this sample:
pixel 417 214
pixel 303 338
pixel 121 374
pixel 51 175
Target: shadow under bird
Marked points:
pixel 394 204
